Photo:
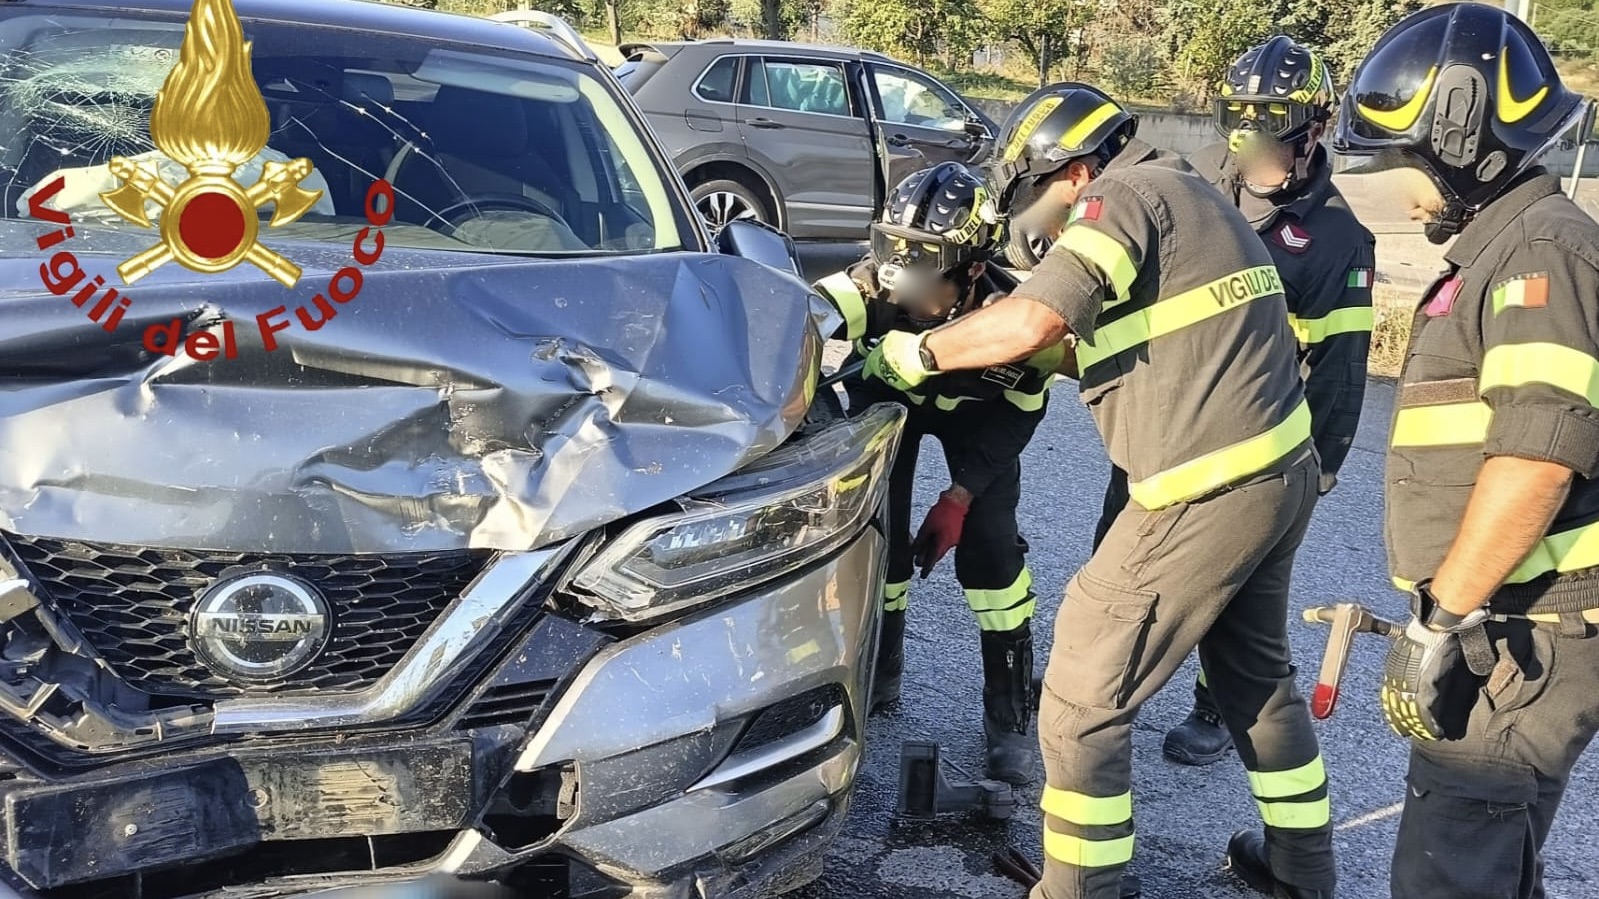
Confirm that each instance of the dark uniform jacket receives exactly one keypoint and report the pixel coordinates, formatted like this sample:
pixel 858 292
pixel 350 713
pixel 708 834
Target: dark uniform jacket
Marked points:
pixel 1186 357
pixel 1326 259
pixel 983 418
pixel 1504 361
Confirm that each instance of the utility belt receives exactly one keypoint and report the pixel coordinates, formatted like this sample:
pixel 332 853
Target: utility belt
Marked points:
pixel 1548 599
pixel 1590 616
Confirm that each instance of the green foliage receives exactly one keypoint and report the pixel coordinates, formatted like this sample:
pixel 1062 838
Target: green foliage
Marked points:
pixel 1048 31
pixel 1570 27
pixel 1132 67
pixel 916 30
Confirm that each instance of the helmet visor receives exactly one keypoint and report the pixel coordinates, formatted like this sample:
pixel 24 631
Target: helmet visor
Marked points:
pixel 1279 119
pixel 896 248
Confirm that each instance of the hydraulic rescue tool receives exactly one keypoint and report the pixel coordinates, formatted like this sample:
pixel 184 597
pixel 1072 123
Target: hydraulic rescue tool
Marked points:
pixel 1347 620
pixel 854 368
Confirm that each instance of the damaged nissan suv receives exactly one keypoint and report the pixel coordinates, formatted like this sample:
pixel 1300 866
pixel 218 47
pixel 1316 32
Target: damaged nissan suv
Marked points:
pixel 397 481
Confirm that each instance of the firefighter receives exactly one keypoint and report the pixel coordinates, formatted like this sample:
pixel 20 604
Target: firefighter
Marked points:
pixel 1492 507
pixel 1175 317
pixel 1275 106
pixel 928 265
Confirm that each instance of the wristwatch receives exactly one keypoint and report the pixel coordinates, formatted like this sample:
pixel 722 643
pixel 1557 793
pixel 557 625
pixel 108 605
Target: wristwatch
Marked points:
pixel 928 362
pixel 1438 618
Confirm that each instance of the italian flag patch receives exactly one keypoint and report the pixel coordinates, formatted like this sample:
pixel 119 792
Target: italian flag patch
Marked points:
pixel 1359 277
pixel 1522 292
pixel 1086 210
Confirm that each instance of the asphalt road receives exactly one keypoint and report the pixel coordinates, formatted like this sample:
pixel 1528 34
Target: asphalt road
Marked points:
pixel 1184 816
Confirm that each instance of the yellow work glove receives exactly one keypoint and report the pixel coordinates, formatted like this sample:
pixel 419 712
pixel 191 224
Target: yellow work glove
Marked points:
pixel 899 361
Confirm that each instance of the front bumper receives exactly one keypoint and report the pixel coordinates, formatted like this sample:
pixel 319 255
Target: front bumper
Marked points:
pixel 710 756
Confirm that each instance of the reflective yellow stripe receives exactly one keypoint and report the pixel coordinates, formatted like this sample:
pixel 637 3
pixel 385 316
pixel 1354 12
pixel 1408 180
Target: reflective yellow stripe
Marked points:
pixel 1024 131
pixel 1110 257
pixel 998 622
pixel 1572 550
pixel 985 600
pixel 1070 850
pixel 1402 118
pixel 1027 402
pixel 1088 811
pixel 1293 782
pixel 1045 362
pixel 1296 815
pixel 896 596
pixel 1448 424
pixel 1224 466
pixel 1513 365
pixel 1509 108
pixel 840 289
pixel 1202 679
pixel 1175 313
pixel 948 403
pixel 1083 130
pixel 1339 321
pixel 1006 608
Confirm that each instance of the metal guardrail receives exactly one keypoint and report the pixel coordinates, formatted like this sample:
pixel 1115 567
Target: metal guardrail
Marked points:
pixel 558 28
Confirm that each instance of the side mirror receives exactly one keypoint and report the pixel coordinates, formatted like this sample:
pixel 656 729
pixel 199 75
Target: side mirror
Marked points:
pixel 759 242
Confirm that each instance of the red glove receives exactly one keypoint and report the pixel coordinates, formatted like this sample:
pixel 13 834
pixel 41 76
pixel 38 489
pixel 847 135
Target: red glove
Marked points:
pixel 941 530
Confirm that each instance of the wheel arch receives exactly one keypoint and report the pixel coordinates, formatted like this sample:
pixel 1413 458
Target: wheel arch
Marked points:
pixel 745 174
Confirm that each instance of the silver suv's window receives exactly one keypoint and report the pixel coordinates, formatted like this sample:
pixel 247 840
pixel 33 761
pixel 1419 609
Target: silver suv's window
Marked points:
pixel 912 99
pixel 798 86
pixel 491 153
pixel 716 85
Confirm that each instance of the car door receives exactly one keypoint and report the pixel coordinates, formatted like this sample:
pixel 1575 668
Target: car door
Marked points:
pixel 919 122
pixel 802 123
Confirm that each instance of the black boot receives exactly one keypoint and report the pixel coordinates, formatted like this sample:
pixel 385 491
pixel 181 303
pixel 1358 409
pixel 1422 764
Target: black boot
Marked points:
pixel 1007 706
pixel 1202 738
pixel 1246 858
pixel 890 662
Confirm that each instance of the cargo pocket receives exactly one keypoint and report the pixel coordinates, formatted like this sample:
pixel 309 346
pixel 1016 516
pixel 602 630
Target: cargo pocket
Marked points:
pixel 1100 635
pixel 1467 830
pixel 1151 534
pixel 1520 674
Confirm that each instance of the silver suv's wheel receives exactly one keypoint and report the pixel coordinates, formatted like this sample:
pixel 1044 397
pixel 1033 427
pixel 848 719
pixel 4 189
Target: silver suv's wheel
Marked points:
pixel 722 201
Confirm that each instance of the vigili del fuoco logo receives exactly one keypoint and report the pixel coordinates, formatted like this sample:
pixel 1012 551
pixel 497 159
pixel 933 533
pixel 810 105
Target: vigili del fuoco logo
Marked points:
pixel 209 117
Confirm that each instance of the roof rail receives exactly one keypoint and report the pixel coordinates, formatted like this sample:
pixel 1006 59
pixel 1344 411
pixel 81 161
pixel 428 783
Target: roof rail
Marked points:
pixel 558 28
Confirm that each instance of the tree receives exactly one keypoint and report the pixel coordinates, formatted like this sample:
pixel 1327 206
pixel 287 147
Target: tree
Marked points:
pixel 913 29
pixel 1048 31
pixel 1132 66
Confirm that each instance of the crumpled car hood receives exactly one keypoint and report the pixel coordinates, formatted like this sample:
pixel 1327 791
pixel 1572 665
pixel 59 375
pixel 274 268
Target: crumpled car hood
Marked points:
pixel 459 400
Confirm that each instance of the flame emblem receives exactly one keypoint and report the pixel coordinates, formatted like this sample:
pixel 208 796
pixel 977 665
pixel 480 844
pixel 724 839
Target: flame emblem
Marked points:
pixel 210 117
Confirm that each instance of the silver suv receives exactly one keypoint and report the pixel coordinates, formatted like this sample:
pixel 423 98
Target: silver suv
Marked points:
pixel 804 138
pixel 509 543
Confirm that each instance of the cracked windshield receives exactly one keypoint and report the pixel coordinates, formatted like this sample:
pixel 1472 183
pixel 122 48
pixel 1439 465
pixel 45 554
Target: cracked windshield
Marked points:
pixel 462 136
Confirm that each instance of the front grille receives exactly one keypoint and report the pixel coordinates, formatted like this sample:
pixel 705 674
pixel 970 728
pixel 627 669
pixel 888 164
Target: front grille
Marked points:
pixel 513 704
pixel 133 604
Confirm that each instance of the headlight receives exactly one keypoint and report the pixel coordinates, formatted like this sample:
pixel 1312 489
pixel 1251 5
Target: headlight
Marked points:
pixel 791 507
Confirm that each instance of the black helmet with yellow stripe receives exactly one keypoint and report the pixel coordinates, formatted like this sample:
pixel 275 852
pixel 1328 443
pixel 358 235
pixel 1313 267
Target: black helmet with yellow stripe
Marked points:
pixel 1279 88
pixel 1465 89
pixel 939 220
pixel 1056 124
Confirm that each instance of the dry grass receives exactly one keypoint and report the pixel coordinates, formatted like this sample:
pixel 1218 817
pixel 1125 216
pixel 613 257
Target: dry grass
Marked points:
pixel 1390 333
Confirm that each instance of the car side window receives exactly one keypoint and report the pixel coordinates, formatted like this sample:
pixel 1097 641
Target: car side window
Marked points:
pixel 804 86
pixel 911 99
pixel 716 85
pixel 755 91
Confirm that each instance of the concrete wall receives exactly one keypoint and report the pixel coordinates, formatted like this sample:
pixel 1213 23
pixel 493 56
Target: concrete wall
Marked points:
pixel 1184 133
